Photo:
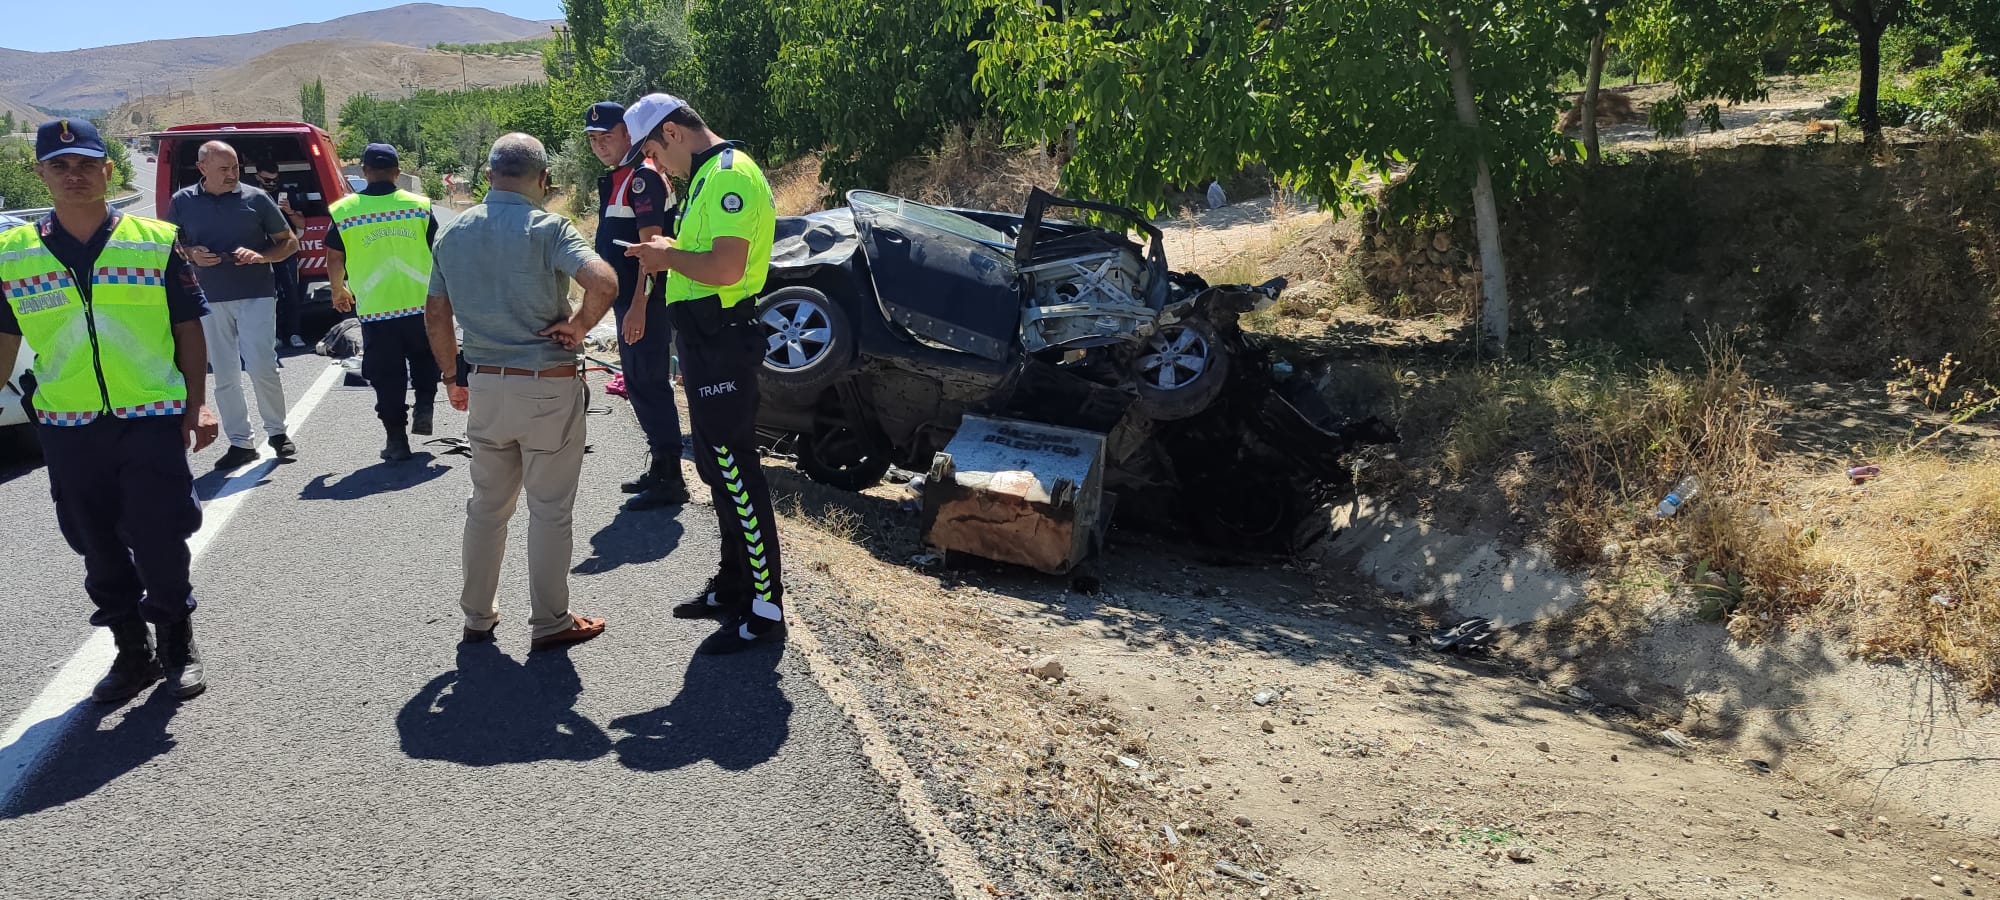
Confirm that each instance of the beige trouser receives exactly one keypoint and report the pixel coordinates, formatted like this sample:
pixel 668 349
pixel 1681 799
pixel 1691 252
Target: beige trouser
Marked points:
pixel 526 434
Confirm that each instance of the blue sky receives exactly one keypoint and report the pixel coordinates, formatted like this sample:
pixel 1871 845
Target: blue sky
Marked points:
pixel 51 25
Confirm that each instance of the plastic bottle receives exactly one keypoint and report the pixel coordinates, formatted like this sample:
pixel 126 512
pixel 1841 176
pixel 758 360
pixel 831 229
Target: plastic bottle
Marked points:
pixel 1682 493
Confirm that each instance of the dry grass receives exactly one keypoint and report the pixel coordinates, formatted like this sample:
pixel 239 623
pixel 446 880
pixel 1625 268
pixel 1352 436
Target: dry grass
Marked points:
pixel 796 186
pixel 1905 563
pixel 1902 565
pixel 979 170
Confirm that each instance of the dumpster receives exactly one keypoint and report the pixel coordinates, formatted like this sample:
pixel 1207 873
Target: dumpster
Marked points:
pixel 1018 492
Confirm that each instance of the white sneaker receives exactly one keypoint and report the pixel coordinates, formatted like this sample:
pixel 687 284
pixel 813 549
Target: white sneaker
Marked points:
pixel 298 341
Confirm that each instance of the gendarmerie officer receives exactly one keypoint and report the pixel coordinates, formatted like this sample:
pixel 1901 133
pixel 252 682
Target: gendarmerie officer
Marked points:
pixel 716 266
pixel 113 315
pixel 634 204
pixel 379 261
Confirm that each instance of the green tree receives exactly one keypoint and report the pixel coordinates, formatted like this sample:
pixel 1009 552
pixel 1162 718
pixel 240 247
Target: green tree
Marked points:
pixel 7 123
pixel 121 164
pixel 19 184
pixel 1456 97
pixel 879 82
pixel 312 102
pixel 736 43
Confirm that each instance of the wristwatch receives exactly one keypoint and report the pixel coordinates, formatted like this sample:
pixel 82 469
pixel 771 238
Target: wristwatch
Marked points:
pixel 449 380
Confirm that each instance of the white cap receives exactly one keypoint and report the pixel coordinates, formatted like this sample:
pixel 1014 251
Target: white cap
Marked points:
pixel 644 116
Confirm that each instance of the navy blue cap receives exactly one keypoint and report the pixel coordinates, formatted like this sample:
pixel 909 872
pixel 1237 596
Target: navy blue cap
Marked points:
pixel 603 116
pixel 380 156
pixel 74 136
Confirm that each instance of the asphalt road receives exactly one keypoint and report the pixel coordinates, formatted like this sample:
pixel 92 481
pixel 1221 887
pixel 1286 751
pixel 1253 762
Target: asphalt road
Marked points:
pixel 348 745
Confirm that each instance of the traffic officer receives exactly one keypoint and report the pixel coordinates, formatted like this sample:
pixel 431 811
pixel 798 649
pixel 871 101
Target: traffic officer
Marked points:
pixel 376 230
pixel 634 204
pixel 113 315
pixel 716 266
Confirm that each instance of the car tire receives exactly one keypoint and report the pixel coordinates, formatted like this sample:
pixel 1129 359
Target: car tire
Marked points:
pixel 809 340
pixel 1180 370
pixel 838 457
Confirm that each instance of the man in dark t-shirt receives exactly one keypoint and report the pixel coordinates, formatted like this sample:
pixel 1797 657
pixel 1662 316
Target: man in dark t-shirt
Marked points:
pixel 233 233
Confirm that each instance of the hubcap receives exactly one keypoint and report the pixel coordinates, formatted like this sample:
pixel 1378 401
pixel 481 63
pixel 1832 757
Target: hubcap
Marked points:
pixel 1176 356
pixel 797 333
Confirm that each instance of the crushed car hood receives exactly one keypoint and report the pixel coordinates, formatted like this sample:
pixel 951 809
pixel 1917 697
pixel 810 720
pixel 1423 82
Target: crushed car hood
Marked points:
pixel 823 238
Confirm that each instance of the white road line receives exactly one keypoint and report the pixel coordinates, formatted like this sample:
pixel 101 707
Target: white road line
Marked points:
pixel 27 741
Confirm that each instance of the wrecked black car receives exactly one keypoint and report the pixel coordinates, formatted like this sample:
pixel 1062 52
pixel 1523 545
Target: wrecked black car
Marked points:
pixel 888 320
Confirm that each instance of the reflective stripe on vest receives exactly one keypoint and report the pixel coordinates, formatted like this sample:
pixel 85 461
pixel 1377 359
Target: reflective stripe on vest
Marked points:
pixel 388 254
pixel 124 329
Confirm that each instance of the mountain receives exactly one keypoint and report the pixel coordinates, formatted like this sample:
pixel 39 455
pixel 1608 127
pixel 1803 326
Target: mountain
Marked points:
pixel 25 116
pixel 267 87
pixel 104 77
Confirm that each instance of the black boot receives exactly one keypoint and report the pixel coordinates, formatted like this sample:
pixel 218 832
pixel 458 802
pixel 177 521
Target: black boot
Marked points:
pixel 719 600
pixel 643 483
pixel 668 490
pixel 135 667
pixel 398 448
pixel 181 659
pixel 420 421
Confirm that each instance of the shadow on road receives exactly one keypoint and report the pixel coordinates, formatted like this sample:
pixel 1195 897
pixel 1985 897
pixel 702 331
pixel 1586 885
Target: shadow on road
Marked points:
pixel 729 710
pixel 492 710
pixel 381 478
pixel 633 538
pixel 89 756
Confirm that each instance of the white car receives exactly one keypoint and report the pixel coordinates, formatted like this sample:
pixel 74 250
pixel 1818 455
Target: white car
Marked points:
pixel 12 411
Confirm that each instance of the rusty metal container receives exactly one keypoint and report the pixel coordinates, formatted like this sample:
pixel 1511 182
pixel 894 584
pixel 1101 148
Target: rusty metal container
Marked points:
pixel 1018 492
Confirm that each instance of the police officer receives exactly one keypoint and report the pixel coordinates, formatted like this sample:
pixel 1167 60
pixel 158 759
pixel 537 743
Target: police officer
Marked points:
pixel 634 204
pixel 113 315
pixel 375 232
pixel 716 266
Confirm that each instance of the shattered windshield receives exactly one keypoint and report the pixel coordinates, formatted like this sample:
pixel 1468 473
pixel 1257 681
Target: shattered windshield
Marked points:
pixel 929 217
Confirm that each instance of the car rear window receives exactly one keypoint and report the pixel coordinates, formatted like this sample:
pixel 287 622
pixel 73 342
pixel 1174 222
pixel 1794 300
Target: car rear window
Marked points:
pixel 929 217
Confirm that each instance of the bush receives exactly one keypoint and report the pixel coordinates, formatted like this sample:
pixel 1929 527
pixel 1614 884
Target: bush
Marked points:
pixel 1958 94
pixel 19 184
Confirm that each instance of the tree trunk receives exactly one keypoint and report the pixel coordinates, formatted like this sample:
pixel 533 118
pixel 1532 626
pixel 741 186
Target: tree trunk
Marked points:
pixel 1593 79
pixel 1486 211
pixel 1867 102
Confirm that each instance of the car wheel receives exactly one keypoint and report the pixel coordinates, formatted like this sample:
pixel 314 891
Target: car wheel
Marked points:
pixel 808 341
pixel 839 457
pixel 1180 370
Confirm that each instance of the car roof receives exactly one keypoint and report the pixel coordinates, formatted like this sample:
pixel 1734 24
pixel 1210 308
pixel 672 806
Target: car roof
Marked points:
pixel 7 221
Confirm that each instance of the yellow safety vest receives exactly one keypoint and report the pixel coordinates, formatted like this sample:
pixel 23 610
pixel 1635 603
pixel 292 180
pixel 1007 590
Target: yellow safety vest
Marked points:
pixel 728 197
pixel 388 255
pixel 111 353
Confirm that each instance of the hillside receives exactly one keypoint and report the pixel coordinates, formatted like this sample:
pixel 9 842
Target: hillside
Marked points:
pixel 268 87
pixel 105 77
pixel 22 111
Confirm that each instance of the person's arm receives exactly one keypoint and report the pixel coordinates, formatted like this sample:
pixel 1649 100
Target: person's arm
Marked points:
pixel 726 208
pixel 438 326
pixel 10 348
pixel 635 316
pixel 444 348
pixel 186 305
pixel 283 242
pixel 573 257
pixel 198 423
pixel 336 276
pixel 723 263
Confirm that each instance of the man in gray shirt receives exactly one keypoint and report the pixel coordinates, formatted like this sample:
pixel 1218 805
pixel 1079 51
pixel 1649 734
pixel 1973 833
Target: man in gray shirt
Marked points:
pixel 502 271
pixel 233 233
